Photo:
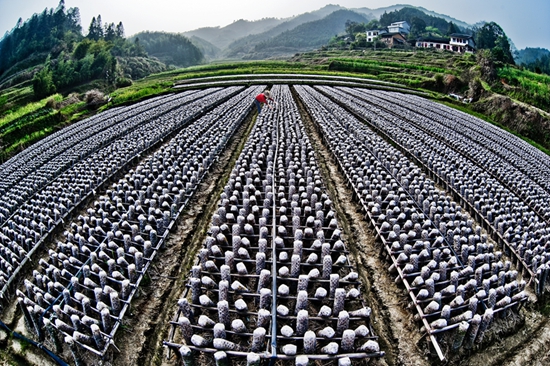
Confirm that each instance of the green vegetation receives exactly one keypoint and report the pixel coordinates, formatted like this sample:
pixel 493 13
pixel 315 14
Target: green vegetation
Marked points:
pixel 245 67
pixel 386 65
pixel 534 59
pixel 138 92
pixel 491 37
pixel 170 48
pixel 526 86
pixel 420 22
pixel 25 110
pixel 50 51
pixel 27 123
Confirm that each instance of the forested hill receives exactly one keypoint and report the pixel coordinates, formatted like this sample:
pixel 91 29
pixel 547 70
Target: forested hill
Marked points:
pixel 170 48
pixel 245 45
pixel 208 50
pixel 312 34
pixel 50 50
pixel 244 34
pixel 221 37
pixel 534 59
pixel 417 18
pixel 50 31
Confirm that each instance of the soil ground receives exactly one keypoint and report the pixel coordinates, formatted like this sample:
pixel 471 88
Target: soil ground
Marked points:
pixel 522 339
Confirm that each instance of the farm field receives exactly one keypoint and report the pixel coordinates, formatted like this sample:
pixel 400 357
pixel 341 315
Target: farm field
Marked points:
pixel 349 224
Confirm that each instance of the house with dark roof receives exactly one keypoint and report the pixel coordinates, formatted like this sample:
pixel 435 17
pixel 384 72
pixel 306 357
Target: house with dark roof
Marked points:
pixel 456 42
pixel 462 42
pixel 438 43
pixel 393 34
pixel 393 39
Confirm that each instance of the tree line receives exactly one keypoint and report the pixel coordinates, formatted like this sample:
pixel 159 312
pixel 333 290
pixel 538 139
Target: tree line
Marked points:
pixel 534 59
pixel 83 59
pixel 170 48
pixel 51 30
pixel 63 57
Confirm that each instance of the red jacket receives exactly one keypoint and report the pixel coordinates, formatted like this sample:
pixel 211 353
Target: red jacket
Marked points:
pixel 262 98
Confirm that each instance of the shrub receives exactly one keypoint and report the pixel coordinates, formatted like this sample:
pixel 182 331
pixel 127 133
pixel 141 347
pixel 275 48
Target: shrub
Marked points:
pixel 51 103
pixel 123 82
pixel 94 98
pixel 71 99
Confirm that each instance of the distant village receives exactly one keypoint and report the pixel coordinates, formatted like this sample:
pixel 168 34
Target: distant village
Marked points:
pixel 395 35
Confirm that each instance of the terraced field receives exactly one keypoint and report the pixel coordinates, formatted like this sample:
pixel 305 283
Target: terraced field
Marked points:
pixel 353 223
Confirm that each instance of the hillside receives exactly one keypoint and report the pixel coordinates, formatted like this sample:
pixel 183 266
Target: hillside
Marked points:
pixel 244 32
pixel 309 35
pixel 378 12
pixel 241 39
pixel 243 46
pixel 170 48
pixel 221 37
pixel 530 55
pixel 51 49
pixel 209 51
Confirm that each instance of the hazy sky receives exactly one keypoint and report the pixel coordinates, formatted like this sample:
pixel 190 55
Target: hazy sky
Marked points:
pixel 526 22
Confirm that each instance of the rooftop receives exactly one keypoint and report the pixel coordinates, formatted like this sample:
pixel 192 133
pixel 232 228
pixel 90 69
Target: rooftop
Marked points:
pixel 461 35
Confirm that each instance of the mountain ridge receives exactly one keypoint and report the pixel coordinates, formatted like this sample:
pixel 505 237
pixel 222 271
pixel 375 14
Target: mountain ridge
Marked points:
pixel 218 35
pixel 242 36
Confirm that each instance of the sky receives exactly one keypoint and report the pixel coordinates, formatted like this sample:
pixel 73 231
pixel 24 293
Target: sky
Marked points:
pixel 526 22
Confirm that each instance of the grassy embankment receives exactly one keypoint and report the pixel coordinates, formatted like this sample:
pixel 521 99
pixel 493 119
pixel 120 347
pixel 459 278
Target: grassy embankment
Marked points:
pixel 22 123
pixel 526 86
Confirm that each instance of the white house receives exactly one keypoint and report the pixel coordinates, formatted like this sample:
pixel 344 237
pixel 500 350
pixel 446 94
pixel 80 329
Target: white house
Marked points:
pixel 372 34
pixel 399 27
pixel 462 42
pixel 457 43
pixel 430 43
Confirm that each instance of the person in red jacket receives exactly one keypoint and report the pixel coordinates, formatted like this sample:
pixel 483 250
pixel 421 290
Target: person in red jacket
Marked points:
pixel 263 98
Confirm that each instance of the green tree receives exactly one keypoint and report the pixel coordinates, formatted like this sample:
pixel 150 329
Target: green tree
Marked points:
pixel 137 49
pixel 95 30
pixel 433 30
pixel 85 67
pixel 73 20
pixel 352 28
pixel 110 32
pixel 452 29
pixel 491 37
pixel 81 49
pixel 373 24
pixel 42 83
pixel 120 30
pixel 111 70
pixel 418 26
pixel 360 41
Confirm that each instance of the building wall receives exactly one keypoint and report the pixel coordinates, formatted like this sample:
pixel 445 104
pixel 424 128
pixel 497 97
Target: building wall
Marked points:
pixel 444 46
